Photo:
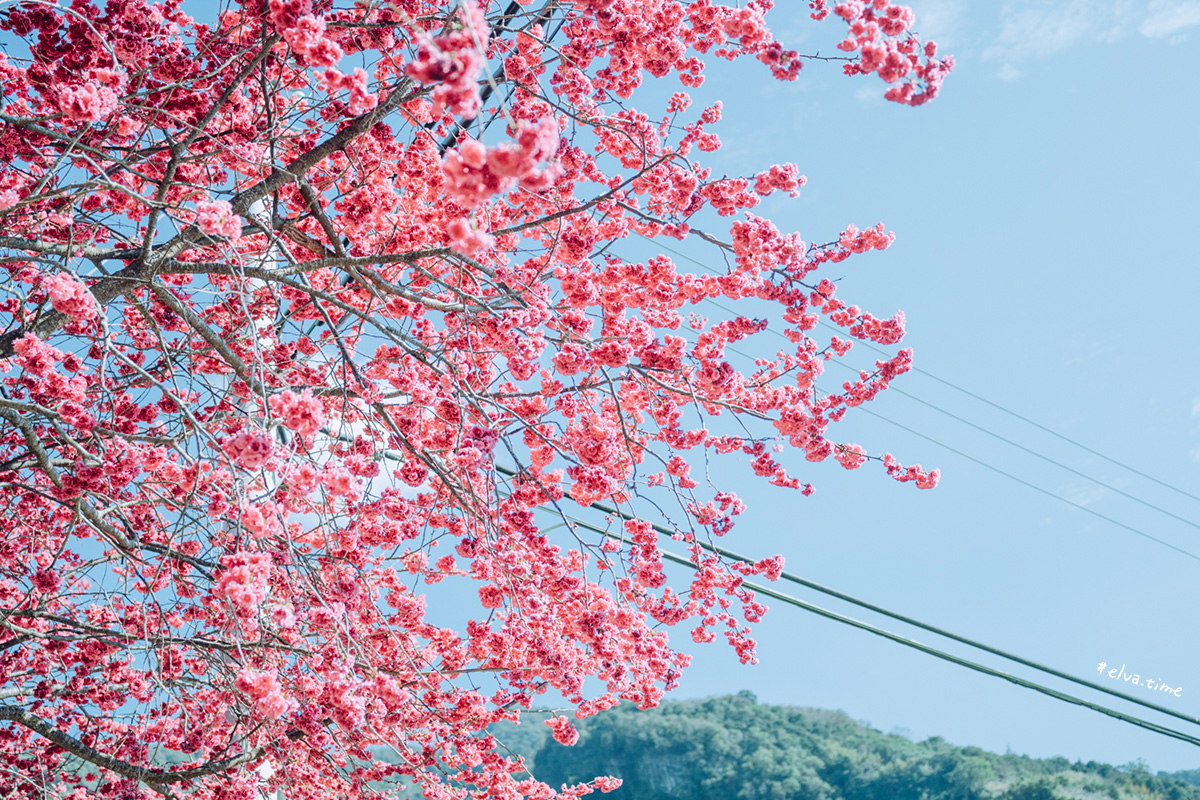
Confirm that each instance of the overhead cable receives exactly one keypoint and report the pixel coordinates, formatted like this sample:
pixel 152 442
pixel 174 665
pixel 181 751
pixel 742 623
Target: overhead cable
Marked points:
pixel 796 579
pixel 933 651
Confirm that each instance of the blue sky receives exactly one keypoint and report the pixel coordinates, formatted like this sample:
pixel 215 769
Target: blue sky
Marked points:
pixel 1047 259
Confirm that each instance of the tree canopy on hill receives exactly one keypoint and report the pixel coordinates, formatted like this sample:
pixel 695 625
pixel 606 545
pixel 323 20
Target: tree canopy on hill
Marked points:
pixel 732 747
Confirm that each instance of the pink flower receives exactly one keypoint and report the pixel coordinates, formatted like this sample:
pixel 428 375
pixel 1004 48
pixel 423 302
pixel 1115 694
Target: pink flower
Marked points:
pixel 781 176
pixel 47 581
pixel 302 413
pixel 465 238
pixel 535 142
pixel 283 616
pixel 127 126
pixel 564 732
pixel 70 297
pixel 483 439
pixel 264 689
pixel 475 173
pixel 851 456
pixel 259 519
pixel 244 580
pixel 88 103
pixel 340 483
pixel 413 473
pixel 307 38
pixel 216 218
pixel 491 597
pixel 929 479
pixel 35 356
pixel 250 449
pixel 452 63
pixel 284 14
pixel 362 99
pixel 770 568
pixel 112 78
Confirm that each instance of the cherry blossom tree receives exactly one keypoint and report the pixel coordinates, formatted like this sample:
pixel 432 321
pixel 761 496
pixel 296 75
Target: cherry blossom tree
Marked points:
pixel 309 306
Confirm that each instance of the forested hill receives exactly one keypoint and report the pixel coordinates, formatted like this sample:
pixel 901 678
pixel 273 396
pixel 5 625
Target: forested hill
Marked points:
pixel 733 748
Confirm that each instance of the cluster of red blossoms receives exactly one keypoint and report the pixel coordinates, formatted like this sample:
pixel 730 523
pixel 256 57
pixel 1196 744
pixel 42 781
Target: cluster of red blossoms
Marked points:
pixel 879 32
pixel 309 305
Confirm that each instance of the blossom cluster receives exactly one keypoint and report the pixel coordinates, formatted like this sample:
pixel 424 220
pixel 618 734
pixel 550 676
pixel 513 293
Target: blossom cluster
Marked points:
pixel 70 297
pixel 304 32
pixel 244 580
pixel 249 449
pixel 93 100
pixel 474 173
pixel 265 690
pixel 452 62
pixel 303 412
pixel 217 218
pixel 879 32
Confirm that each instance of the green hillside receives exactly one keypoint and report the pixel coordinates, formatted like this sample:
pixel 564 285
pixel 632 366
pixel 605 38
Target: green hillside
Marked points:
pixel 735 749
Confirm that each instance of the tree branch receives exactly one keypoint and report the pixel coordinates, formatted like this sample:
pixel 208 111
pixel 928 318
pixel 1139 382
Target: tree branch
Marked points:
pixel 156 779
pixel 141 270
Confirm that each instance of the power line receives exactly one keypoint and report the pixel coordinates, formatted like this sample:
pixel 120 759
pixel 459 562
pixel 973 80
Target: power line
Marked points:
pixel 962 662
pixel 796 579
pixel 1033 486
pixel 982 463
pixel 1151 726
pixel 1154 727
pixel 1054 433
pixel 793 578
pixel 1031 452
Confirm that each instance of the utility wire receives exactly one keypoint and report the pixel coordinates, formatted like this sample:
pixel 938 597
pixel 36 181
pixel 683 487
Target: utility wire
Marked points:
pixel 603 508
pixel 981 399
pixel 1033 486
pixel 1047 459
pixel 933 651
pixel 962 662
pixel 982 429
pixel 796 579
pixel 1041 427
pixel 793 578
pixel 1022 481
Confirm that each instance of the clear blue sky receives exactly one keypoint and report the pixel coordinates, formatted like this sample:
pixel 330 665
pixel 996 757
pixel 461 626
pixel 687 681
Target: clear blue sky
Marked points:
pixel 1048 259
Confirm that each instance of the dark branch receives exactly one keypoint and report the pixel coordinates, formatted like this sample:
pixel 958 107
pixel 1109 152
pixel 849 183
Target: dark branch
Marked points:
pixel 156 779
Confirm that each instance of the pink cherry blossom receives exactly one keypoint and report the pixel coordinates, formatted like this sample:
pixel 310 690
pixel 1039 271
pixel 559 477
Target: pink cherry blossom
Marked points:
pixel 302 412
pixel 89 102
pixel 70 297
pixel 216 218
pixel 249 449
pixel 243 579
pixel 264 689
